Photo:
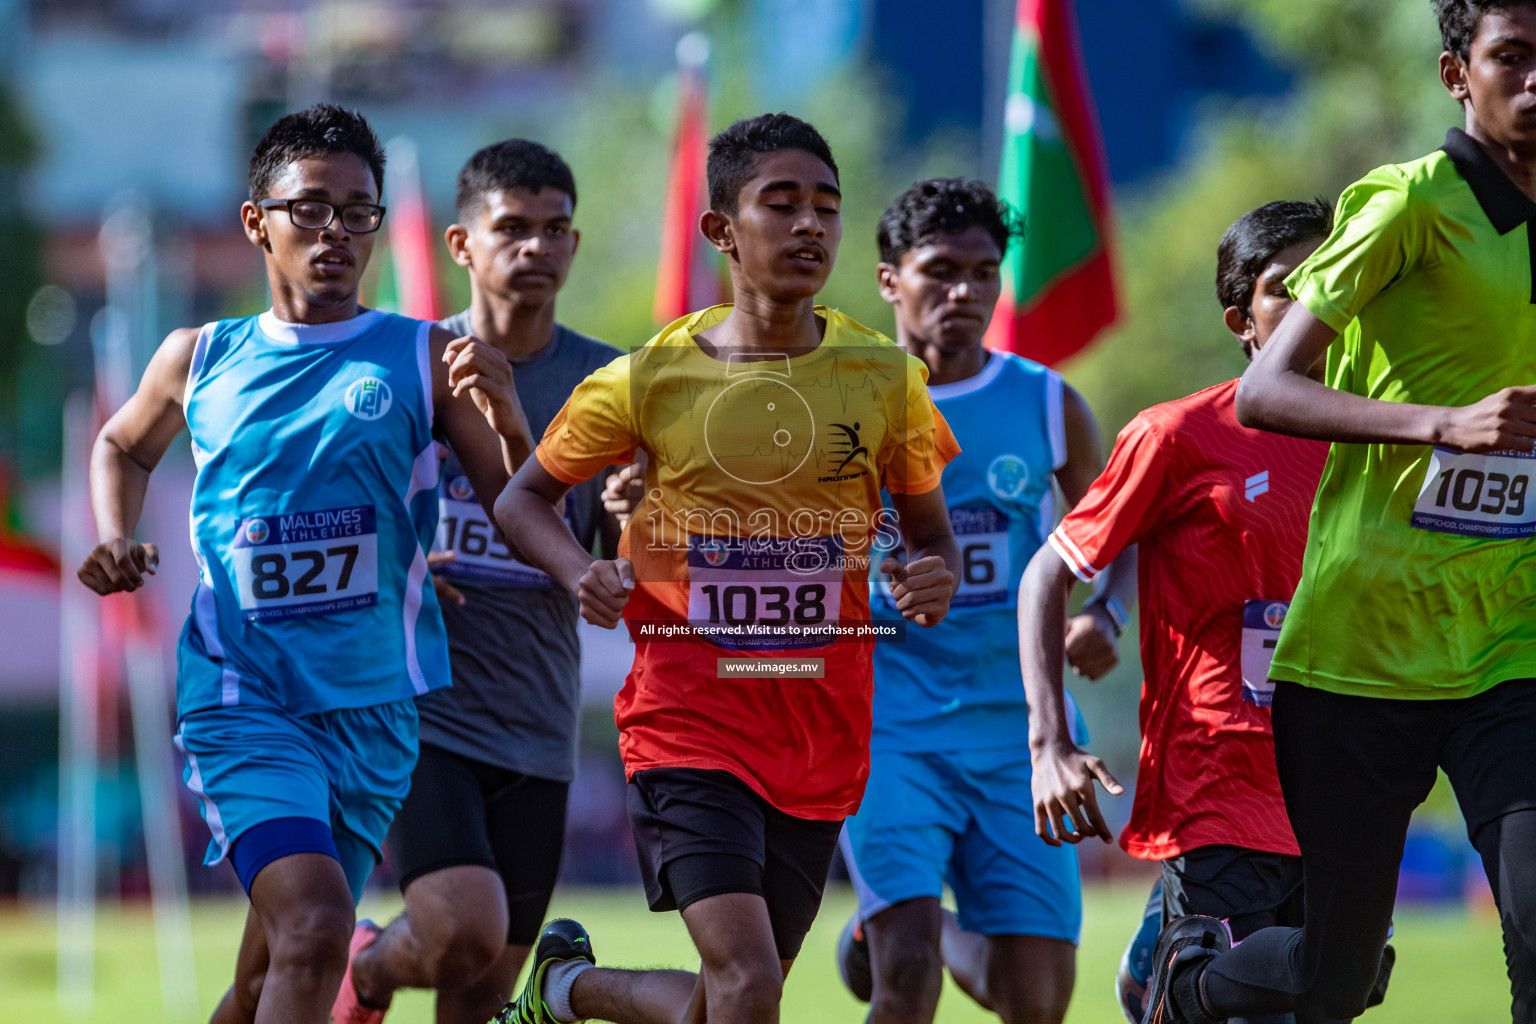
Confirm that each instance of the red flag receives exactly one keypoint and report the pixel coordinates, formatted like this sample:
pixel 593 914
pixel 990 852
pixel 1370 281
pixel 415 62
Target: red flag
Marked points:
pixel 1058 284
pixel 687 278
pixel 411 242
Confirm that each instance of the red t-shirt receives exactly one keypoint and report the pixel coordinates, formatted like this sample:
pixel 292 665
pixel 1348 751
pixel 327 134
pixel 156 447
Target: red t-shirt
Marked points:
pixel 1220 513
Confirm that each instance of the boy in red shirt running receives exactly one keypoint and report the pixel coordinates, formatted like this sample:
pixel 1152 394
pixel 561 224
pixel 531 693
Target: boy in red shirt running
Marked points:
pixel 1220 513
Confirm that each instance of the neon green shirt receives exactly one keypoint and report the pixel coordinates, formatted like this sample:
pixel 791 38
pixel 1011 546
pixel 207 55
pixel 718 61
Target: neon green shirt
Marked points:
pixel 1419 579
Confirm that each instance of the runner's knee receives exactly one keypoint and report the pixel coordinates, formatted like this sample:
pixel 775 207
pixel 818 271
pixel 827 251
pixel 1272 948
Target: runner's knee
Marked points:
pixel 905 966
pixel 312 937
pixel 747 986
pixel 1037 996
pixel 466 953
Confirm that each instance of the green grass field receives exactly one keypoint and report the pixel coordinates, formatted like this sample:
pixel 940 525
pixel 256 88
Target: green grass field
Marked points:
pixel 1450 966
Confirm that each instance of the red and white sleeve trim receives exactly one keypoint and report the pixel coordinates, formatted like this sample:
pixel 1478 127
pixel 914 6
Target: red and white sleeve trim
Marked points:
pixel 1070 553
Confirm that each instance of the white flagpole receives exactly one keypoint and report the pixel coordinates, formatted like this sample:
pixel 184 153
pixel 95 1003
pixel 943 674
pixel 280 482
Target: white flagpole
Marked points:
pixel 79 669
pixel 162 827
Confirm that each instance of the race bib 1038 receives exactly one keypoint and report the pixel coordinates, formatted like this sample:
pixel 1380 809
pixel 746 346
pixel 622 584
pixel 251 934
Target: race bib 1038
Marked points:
pixel 307 563
pixel 765 594
pixel 1478 495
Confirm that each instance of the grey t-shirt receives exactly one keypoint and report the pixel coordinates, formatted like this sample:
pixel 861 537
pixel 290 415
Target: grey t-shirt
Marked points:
pixel 516 660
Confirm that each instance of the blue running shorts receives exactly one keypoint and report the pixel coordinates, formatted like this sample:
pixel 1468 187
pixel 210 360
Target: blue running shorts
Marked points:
pixel 965 818
pixel 254 763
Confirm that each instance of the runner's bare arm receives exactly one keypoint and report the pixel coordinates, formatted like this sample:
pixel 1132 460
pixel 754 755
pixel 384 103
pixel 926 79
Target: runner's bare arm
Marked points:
pixel 476 406
pixel 1276 394
pixel 528 514
pixel 1063 775
pixel 924 585
pixel 128 448
pixel 1093 637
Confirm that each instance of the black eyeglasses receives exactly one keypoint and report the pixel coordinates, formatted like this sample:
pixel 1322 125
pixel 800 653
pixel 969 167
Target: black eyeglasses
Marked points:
pixel 358 218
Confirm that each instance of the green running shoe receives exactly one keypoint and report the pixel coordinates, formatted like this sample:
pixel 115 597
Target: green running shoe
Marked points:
pixel 561 941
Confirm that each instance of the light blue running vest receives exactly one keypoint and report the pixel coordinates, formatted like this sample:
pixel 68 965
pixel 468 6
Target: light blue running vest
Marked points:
pixel 313 509
pixel 958 685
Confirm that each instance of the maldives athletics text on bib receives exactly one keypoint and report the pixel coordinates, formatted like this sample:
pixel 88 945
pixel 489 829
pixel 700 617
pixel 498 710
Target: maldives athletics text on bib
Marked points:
pixel 307 563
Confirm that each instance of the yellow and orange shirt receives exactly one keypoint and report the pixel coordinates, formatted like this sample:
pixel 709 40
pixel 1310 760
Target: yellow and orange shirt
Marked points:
pixel 762 501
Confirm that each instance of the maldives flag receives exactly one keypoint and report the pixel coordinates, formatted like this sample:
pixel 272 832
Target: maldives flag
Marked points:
pixel 688 277
pixel 411 242
pixel 1058 283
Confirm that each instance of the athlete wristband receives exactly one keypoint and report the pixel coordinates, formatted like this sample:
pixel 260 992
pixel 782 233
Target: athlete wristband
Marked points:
pixel 1113 608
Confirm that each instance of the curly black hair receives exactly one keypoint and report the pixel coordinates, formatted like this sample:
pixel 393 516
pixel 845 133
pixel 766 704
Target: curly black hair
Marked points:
pixel 511 163
pixel 945 206
pixel 321 130
pixel 1257 237
pixel 733 153
pixel 1459 20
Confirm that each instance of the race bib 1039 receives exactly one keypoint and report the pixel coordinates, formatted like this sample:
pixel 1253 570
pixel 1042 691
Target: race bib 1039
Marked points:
pixel 307 563
pixel 1478 495
pixel 765 594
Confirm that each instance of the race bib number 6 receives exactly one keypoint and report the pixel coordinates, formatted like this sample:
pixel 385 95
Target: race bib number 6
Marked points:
pixel 1478 495
pixel 985 572
pixel 307 563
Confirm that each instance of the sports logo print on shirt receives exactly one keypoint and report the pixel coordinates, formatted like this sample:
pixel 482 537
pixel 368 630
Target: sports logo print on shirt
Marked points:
pixel 368 398
pixel 1008 475
pixel 845 447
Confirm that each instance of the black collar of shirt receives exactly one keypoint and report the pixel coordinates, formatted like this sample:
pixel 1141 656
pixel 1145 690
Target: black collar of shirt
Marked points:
pixel 1501 199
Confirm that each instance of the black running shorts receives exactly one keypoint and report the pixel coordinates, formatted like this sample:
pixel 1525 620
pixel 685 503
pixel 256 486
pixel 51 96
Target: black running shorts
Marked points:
pixel 1250 889
pixel 702 832
pixel 462 812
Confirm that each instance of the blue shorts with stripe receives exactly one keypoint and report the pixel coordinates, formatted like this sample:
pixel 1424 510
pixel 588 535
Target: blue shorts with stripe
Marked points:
pixel 252 763
pixel 963 818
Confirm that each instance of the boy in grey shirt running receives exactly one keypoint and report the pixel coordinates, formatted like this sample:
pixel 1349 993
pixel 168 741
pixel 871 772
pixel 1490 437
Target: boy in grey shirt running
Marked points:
pixel 477 843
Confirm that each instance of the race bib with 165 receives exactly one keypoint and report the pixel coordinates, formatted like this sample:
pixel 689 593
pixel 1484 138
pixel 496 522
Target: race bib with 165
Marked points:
pixel 765 594
pixel 1478 495
pixel 480 553
pixel 307 563
pixel 1262 620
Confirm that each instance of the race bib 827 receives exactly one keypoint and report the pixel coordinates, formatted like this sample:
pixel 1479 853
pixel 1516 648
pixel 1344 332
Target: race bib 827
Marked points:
pixel 1478 495
pixel 307 563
